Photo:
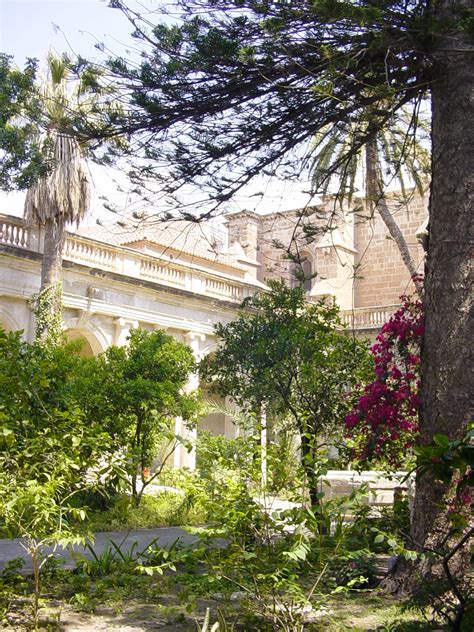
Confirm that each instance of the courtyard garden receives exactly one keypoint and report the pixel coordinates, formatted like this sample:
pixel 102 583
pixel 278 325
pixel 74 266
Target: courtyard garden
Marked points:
pixel 338 495
pixel 258 536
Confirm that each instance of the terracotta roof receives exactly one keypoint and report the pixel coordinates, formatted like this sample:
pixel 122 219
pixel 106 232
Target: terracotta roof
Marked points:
pixel 189 238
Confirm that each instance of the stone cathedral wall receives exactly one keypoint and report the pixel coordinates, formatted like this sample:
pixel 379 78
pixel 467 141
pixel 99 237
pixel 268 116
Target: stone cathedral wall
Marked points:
pixel 381 276
pixel 356 260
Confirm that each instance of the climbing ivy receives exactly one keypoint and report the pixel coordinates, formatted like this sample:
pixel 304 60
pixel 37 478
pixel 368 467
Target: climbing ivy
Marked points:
pixel 47 308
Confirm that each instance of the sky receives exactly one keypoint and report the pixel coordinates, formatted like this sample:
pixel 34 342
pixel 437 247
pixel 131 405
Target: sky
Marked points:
pixel 30 28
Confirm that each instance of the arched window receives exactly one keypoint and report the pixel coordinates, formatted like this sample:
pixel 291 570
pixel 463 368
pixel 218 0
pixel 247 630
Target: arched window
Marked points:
pixel 307 270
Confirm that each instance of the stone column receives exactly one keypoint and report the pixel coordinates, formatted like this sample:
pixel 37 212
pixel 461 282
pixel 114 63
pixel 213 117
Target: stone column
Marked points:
pixel 183 458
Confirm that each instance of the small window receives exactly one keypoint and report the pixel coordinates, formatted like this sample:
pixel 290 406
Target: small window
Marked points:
pixel 307 270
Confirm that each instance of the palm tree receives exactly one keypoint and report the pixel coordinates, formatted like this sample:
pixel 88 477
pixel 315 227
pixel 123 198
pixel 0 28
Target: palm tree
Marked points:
pixel 61 197
pixel 396 152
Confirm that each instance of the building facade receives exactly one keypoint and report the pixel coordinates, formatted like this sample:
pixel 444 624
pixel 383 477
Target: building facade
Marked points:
pixel 183 277
pixel 342 251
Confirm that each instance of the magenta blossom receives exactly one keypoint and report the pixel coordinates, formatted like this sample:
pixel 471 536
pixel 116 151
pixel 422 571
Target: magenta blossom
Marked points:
pixel 386 412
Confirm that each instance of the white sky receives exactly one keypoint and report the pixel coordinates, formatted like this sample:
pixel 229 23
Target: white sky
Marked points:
pixel 28 28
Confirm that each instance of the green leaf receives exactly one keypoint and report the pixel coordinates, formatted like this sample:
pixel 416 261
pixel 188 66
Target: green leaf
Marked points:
pixel 441 440
pixel 76 441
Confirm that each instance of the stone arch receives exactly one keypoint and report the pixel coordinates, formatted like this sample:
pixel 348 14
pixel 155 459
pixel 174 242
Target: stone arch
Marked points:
pixel 94 340
pixel 86 351
pixel 8 322
pixel 209 349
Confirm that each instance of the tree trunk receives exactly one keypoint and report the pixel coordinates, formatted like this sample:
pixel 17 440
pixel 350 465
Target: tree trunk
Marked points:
pixel 308 464
pixel 376 196
pixel 52 253
pixel 49 301
pixel 447 358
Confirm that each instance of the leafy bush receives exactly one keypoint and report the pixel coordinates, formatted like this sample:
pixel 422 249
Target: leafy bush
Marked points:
pixel 164 509
pixel 135 393
pixel 218 451
pixel 46 447
pixel 354 570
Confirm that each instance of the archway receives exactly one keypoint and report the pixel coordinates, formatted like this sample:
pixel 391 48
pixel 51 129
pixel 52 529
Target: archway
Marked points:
pixel 7 322
pixel 217 421
pixel 94 339
pixel 86 350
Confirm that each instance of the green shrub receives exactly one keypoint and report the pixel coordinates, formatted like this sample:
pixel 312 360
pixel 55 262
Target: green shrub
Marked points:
pixel 165 509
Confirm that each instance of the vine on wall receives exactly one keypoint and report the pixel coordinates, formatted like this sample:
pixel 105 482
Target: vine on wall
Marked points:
pixel 47 308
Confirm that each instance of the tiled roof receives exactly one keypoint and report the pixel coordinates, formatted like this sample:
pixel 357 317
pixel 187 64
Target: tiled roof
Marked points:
pixel 189 238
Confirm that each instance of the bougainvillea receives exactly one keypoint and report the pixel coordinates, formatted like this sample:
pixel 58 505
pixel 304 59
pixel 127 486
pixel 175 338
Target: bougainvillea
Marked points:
pixel 384 421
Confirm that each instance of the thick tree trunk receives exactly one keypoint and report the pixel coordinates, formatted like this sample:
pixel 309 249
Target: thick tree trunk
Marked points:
pixel 447 358
pixel 376 196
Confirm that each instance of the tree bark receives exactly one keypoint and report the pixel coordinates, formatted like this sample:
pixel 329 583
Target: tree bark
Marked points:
pixel 308 464
pixel 52 253
pixel 376 196
pixel 447 358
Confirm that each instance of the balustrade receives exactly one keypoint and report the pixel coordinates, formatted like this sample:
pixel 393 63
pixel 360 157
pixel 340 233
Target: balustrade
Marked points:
pixel 222 288
pixel 368 317
pixel 89 253
pixel 14 232
pixel 162 272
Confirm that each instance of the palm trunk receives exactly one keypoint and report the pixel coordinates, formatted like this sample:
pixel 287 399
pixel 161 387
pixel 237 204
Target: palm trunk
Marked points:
pixel 447 358
pixel 48 310
pixel 376 196
pixel 52 253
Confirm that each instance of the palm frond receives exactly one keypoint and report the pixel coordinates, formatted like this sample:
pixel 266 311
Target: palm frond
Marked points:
pixel 64 195
pixel 238 417
pixel 58 68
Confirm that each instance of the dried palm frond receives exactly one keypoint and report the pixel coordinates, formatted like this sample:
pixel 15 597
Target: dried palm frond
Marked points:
pixel 64 194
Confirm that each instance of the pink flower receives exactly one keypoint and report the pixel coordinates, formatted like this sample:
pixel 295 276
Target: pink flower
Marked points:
pixel 387 409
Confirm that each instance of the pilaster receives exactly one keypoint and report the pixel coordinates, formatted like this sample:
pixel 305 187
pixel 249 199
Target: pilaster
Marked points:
pixel 123 328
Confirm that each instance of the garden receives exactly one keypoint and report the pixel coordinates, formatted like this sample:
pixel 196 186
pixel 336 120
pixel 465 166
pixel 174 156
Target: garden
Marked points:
pixel 257 538
pixel 209 97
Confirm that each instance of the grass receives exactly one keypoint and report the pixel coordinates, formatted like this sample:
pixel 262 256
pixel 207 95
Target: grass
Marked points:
pixel 367 611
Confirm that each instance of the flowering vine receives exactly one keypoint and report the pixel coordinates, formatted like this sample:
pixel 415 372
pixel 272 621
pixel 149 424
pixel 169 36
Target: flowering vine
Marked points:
pixel 385 417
